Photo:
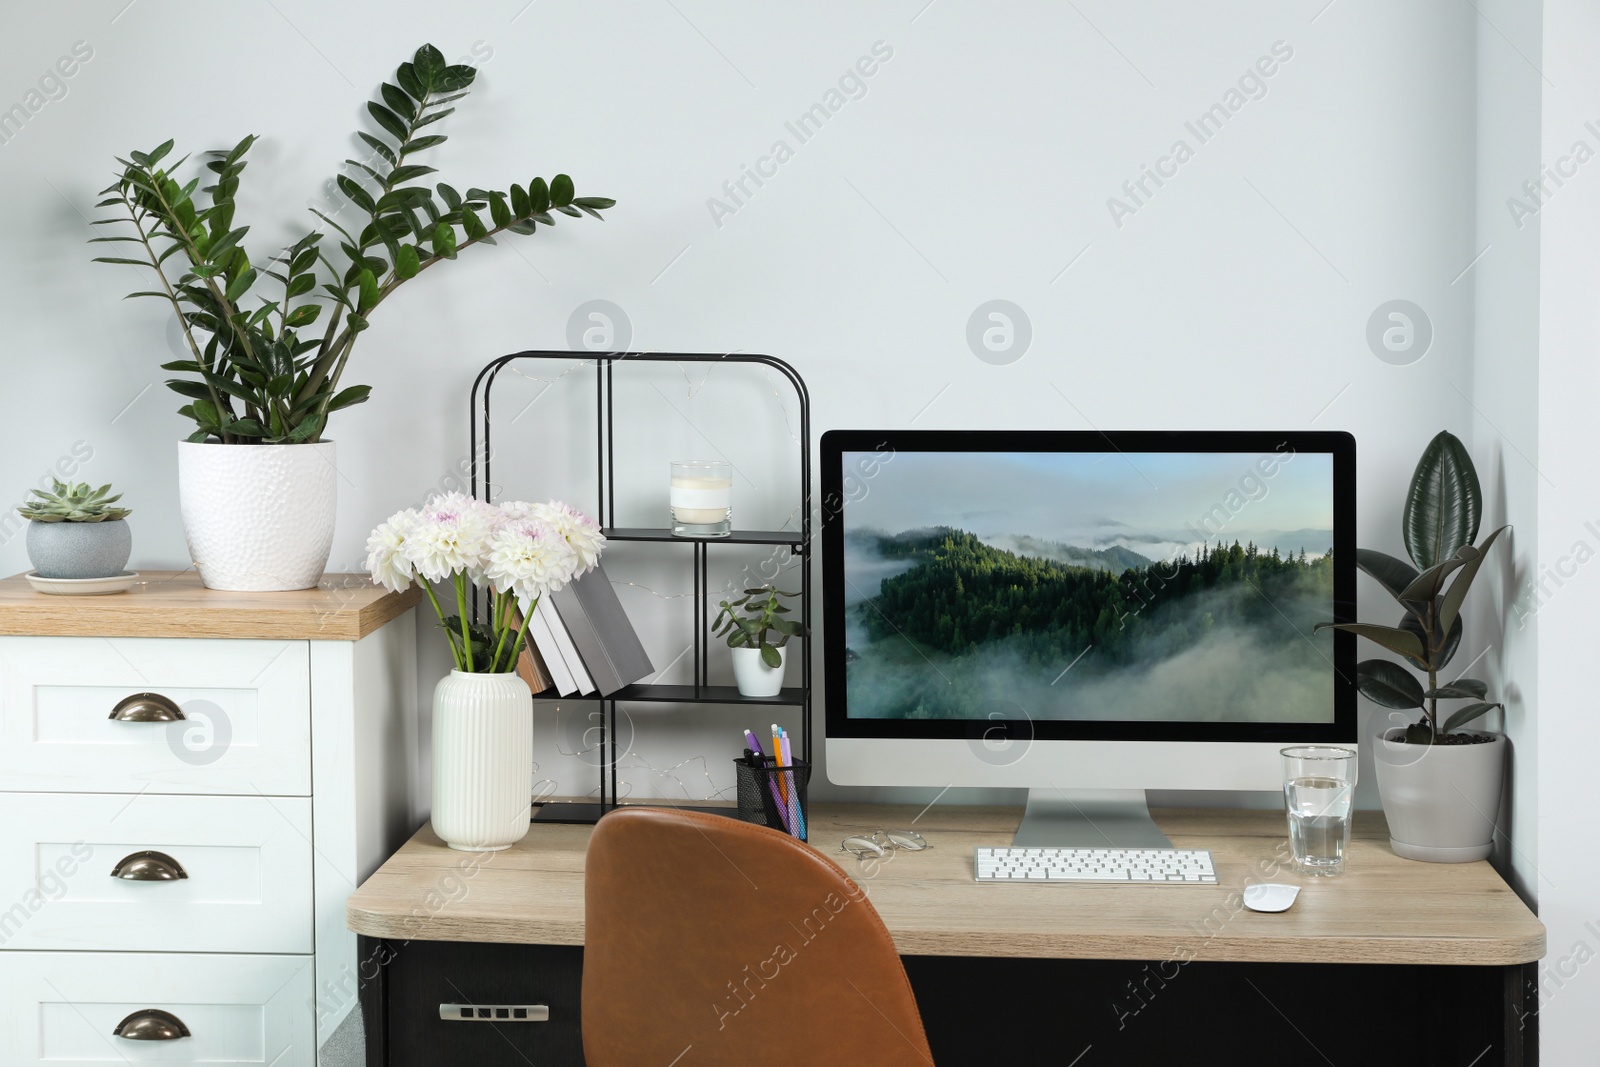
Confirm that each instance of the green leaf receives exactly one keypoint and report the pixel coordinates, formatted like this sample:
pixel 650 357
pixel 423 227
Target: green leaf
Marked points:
pixel 1462 716
pixel 770 656
pixel 225 242
pixel 448 194
pixel 539 195
pixel 474 226
pixel 358 196
pixel 406 75
pixel 1450 607
pixel 1388 684
pixel 1419 733
pixel 158 153
pixel 429 120
pixel 418 144
pixel 1444 503
pixel 353 395
pixel 526 226
pixel 429 63
pixel 1460 689
pixel 123 261
pixel 239 150
pixel 568 209
pixel 499 211
pixel 240 285
pixel 455 78
pixel 1447 649
pixel 184 387
pixel 1391 573
pixel 299 285
pixel 560 190
pixel 599 203
pixel 398 101
pixel 379 147
pixel 303 261
pixel 407 262
pixel 304 315
pixel 368 285
pixel 357 323
pixel 1425 588
pixel 411 170
pixel 520 205
pixel 388 120
pixel 444 240
pixel 1401 641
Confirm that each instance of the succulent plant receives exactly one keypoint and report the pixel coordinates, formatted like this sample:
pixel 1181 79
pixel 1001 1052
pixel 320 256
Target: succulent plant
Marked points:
pixel 73 503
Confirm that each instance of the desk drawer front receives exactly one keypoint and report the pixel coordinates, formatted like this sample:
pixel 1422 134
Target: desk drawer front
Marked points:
pixel 201 874
pixel 246 708
pixel 61 1008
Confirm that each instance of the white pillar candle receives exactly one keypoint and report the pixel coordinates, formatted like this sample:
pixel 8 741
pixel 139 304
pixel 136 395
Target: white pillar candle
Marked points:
pixel 701 501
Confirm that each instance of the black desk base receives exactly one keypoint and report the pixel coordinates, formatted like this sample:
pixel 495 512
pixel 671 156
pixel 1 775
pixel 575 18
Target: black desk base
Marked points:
pixel 1072 1013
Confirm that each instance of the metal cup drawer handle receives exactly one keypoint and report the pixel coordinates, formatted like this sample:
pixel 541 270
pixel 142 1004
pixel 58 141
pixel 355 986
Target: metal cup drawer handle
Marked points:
pixel 149 866
pixel 146 707
pixel 151 1024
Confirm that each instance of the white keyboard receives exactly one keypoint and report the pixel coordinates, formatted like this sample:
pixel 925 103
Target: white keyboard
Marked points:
pixel 1123 866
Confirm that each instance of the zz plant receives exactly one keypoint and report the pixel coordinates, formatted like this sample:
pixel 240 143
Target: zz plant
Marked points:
pixel 1443 507
pixel 753 619
pixel 267 364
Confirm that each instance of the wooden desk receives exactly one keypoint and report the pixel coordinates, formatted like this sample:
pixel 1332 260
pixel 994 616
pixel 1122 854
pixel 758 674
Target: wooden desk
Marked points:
pixel 1430 934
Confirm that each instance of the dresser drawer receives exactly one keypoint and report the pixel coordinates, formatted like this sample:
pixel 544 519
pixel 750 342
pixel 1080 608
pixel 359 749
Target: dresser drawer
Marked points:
pixel 62 1009
pixel 245 864
pixel 245 707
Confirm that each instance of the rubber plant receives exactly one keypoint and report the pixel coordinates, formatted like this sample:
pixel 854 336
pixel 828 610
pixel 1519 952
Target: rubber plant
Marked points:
pixel 1439 523
pixel 266 364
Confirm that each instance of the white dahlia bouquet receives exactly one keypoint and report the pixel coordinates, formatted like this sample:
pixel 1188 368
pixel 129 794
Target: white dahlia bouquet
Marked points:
pixel 515 551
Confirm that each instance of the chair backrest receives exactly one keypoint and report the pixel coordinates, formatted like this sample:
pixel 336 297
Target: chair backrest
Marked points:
pixel 711 941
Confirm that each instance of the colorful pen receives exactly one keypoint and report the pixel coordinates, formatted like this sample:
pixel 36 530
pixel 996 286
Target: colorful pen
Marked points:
pixel 761 771
pixel 797 815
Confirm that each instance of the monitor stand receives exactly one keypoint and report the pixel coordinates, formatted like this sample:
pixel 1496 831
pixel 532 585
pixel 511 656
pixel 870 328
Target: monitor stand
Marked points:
pixel 1089 818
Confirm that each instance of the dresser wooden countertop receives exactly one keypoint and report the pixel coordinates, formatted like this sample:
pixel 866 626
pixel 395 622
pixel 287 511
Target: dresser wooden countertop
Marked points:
pixel 1384 909
pixel 342 607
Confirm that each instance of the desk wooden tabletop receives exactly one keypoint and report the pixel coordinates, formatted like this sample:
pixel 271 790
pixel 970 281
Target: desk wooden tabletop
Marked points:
pixel 1384 909
pixel 341 607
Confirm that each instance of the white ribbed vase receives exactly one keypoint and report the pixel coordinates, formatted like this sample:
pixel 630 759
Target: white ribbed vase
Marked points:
pixel 482 760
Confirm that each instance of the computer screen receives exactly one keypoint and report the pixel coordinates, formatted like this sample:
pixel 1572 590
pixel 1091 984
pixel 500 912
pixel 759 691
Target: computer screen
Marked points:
pixel 1160 586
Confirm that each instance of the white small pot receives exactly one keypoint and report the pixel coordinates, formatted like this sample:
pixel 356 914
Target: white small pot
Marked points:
pixel 258 517
pixel 482 760
pixel 754 678
pixel 1440 800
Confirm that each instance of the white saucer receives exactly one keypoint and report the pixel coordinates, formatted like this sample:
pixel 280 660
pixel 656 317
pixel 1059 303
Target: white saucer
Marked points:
pixel 117 583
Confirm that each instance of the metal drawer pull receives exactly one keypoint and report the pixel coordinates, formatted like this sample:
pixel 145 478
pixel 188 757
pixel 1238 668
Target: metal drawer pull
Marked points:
pixel 146 707
pixel 494 1013
pixel 149 866
pixel 152 1024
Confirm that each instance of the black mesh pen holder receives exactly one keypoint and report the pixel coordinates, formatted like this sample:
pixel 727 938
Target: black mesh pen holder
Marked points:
pixel 775 796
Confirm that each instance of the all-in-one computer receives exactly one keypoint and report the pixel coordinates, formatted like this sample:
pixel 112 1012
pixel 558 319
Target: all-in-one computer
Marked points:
pixel 1086 615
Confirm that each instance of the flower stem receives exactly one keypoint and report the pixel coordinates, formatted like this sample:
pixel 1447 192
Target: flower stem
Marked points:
pixel 522 633
pixel 427 587
pixel 460 579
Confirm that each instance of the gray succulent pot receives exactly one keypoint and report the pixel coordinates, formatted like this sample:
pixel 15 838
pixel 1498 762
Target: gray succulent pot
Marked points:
pixel 1440 800
pixel 79 549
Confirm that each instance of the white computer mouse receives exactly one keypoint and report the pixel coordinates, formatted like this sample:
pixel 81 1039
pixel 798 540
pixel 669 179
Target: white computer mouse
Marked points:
pixel 1270 896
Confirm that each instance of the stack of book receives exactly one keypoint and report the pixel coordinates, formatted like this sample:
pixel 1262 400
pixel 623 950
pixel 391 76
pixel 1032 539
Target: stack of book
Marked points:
pixel 580 641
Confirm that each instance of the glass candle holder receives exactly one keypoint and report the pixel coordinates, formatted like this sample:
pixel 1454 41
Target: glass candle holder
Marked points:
pixel 701 498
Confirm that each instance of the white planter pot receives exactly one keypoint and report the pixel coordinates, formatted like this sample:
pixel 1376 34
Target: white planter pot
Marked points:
pixel 754 678
pixel 258 517
pixel 482 760
pixel 1440 800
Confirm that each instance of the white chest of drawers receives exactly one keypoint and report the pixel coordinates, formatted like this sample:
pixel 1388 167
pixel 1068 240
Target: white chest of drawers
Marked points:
pixel 191 784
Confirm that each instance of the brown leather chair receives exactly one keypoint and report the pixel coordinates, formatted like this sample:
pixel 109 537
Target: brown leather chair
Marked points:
pixel 711 941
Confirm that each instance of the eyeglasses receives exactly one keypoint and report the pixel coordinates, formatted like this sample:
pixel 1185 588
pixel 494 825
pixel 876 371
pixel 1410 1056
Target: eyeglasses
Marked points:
pixel 881 842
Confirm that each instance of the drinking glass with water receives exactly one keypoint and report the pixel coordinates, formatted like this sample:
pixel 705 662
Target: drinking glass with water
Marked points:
pixel 1318 793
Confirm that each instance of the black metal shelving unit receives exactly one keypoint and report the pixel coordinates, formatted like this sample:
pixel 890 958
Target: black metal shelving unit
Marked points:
pixel 799 541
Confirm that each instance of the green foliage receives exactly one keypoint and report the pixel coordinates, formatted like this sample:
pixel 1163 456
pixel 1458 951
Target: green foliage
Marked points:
pixel 1443 508
pixel 965 594
pixel 67 502
pixel 762 618
pixel 261 370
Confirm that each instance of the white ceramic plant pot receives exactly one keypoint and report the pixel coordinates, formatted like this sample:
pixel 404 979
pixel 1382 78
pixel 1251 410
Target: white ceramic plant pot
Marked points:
pixel 482 760
pixel 754 678
pixel 258 517
pixel 1440 800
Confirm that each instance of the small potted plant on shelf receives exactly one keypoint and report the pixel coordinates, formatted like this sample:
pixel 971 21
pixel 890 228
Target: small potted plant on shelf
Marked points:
pixel 265 367
pixel 759 638
pixel 514 553
pixel 75 534
pixel 1440 784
